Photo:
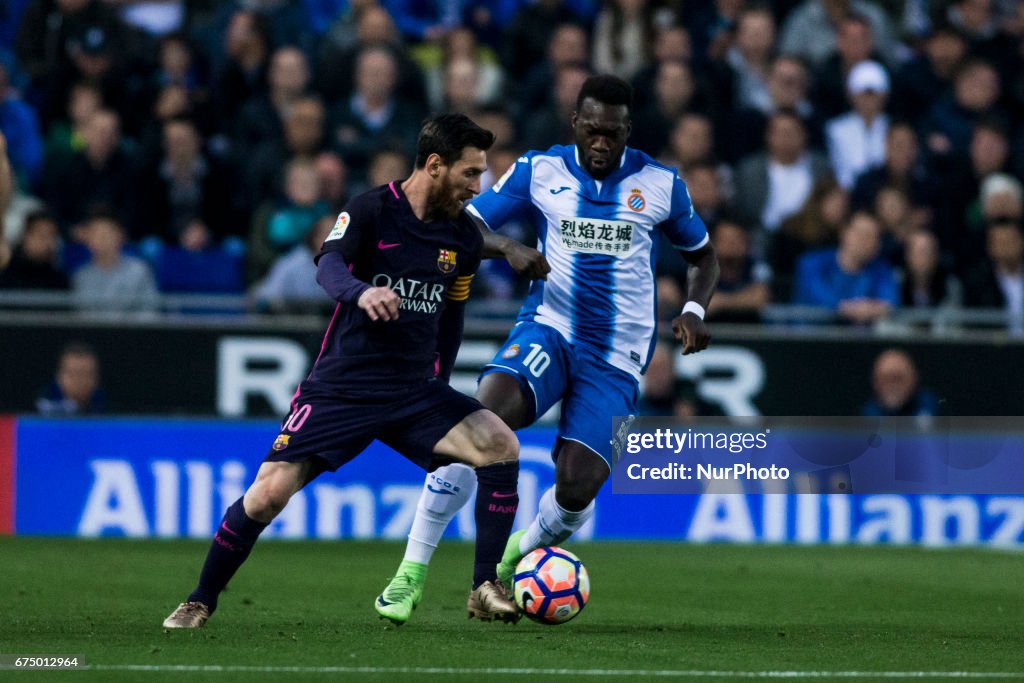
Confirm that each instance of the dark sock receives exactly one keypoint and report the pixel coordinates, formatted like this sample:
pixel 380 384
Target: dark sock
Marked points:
pixel 231 545
pixel 496 502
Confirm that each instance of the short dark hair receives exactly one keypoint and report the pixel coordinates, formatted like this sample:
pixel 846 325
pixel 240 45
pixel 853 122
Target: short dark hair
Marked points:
pixel 606 89
pixel 897 123
pixel 37 216
pixel 262 26
pixel 788 113
pixel 858 18
pixel 944 28
pixel 703 165
pixel 176 37
pixel 103 212
pixel 993 124
pixel 972 64
pixel 446 135
pixel 793 58
pixel 862 213
pixel 1004 222
pixel 77 348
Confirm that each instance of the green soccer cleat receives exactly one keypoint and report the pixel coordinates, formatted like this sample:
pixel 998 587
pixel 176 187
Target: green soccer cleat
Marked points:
pixel 507 567
pixel 401 596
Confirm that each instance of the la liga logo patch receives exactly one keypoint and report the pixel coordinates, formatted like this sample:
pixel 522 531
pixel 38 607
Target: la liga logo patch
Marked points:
pixel 511 352
pixel 340 226
pixel 636 200
pixel 281 442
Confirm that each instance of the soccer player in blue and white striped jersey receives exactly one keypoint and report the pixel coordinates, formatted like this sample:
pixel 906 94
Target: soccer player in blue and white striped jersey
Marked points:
pixel 587 329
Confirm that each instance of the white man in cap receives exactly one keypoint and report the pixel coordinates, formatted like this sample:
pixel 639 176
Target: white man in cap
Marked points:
pixel 856 140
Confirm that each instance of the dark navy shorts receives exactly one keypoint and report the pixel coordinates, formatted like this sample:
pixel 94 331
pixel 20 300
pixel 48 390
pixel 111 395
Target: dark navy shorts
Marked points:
pixel 335 429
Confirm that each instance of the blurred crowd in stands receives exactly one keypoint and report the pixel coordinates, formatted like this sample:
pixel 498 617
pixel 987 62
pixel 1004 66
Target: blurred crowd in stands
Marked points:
pixel 849 155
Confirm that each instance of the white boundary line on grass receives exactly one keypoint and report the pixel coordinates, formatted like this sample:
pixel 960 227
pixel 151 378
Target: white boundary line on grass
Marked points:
pixel 488 671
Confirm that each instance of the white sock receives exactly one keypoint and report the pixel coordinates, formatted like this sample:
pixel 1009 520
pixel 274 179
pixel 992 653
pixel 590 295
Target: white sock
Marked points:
pixel 553 523
pixel 445 491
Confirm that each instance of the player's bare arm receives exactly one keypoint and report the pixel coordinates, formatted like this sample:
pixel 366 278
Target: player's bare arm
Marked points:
pixel 702 279
pixel 523 259
pixel 380 303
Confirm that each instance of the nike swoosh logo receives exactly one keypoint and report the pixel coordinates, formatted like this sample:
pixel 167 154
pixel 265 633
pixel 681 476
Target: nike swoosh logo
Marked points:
pixel 381 245
pixel 443 491
pixel 560 190
pixel 382 602
pixel 495 494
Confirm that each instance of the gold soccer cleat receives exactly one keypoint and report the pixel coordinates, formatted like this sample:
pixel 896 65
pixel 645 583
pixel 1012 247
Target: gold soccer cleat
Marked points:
pixel 490 602
pixel 188 615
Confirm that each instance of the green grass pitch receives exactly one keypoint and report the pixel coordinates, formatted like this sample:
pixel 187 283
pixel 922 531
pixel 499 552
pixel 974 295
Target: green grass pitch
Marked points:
pixel 667 610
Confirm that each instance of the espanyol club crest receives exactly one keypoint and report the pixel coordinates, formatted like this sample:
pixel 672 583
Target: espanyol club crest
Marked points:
pixel 446 260
pixel 636 200
pixel 281 442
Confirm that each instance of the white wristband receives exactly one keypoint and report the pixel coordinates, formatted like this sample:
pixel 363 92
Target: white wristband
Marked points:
pixel 695 308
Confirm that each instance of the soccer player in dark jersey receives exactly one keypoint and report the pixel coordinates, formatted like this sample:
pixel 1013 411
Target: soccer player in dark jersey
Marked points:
pixel 399 262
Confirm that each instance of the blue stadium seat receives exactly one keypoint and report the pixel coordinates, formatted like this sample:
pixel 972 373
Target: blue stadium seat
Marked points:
pixel 73 256
pixel 219 270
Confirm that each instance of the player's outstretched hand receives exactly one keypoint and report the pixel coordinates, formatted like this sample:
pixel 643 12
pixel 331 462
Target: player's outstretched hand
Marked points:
pixel 527 261
pixel 380 303
pixel 692 331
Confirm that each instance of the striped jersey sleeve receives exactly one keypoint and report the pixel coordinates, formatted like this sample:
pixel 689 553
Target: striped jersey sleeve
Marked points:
pixel 684 228
pixel 508 199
